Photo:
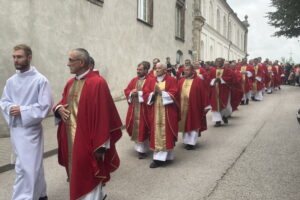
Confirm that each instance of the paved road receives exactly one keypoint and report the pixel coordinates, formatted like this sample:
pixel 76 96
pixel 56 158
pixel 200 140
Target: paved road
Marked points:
pixel 256 156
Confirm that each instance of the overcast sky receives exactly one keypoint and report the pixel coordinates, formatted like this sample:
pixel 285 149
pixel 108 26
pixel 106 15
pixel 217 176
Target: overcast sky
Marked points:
pixel 260 39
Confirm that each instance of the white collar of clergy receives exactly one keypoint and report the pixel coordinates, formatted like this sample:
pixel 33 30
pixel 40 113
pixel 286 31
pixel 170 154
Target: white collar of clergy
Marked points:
pixel 29 72
pixel 82 75
pixel 160 78
pixel 141 78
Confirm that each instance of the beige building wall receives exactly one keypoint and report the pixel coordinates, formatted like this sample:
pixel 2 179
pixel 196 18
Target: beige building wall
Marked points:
pixel 111 33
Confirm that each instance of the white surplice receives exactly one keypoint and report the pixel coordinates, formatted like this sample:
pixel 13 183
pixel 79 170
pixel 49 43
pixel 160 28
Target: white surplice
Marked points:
pixel 31 91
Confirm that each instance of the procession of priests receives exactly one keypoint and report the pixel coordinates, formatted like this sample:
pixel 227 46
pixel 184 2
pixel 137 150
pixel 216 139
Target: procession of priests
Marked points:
pixel 164 103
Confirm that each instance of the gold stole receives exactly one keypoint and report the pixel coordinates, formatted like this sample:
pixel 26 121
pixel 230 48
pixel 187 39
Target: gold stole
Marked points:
pixel 160 120
pixel 137 107
pixel 243 69
pixel 71 123
pixel 219 74
pixel 197 71
pixel 184 101
pixel 255 81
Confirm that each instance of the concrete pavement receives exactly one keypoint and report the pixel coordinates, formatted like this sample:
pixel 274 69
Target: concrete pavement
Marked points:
pixel 256 156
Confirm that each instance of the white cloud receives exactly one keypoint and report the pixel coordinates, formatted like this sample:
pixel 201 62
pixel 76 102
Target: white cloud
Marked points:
pixel 260 39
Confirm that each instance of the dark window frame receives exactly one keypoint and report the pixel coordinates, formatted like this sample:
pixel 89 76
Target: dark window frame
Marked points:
pixel 150 10
pixel 180 5
pixel 97 2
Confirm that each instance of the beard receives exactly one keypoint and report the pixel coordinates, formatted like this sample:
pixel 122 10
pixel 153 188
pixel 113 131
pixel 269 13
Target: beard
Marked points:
pixel 22 66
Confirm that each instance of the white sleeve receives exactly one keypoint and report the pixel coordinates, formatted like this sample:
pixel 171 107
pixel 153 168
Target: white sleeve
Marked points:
pixel 141 99
pixel 282 75
pixel 106 145
pixel 166 98
pixel 222 81
pixel 6 103
pixel 150 99
pixel 249 74
pixel 35 113
pixel 258 78
pixel 201 76
pixel 129 98
pixel 212 82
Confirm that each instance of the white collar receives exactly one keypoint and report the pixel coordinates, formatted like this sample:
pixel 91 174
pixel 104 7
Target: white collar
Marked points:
pixel 160 78
pixel 82 75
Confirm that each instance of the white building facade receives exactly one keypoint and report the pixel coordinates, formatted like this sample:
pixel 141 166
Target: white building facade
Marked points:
pixel 223 34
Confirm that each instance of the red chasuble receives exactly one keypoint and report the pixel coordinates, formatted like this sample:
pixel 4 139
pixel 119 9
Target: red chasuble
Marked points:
pixel 219 93
pixel 278 79
pixel 246 82
pixel 236 90
pixel 163 119
pixel 193 115
pixel 136 119
pixel 179 72
pixel 97 122
pixel 258 72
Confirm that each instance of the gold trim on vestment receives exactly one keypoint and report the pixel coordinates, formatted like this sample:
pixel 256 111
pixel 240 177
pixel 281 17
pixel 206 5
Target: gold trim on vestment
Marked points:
pixel 137 108
pixel 219 74
pixel 254 88
pixel 184 103
pixel 71 123
pixel 243 69
pixel 160 120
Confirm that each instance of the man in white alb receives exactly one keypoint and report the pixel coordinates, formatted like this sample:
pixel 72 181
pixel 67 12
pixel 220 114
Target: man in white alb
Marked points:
pixel 25 102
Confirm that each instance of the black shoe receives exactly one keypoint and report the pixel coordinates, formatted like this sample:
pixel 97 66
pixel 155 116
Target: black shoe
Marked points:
pixel 225 120
pixel 43 198
pixel 189 147
pixel 156 164
pixel 247 101
pixel 218 124
pixel 104 197
pixel 142 155
pixel 242 103
pixel 279 88
pixel 253 99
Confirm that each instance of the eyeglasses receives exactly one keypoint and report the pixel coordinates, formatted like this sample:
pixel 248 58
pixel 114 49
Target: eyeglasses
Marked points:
pixel 73 60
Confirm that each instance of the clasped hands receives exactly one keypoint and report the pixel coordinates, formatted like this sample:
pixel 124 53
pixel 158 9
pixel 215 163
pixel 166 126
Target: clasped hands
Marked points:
pixel 157 90
pixel 15 111
pixel 64 112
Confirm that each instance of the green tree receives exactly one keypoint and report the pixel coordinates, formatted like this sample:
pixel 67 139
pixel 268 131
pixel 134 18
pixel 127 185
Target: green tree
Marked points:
pixel 286 18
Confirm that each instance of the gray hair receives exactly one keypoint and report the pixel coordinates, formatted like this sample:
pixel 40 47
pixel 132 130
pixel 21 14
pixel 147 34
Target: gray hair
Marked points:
pixel 164 66
pixel 84 55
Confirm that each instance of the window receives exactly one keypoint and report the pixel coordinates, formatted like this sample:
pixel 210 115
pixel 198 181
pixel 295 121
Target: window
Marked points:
pixel 230 32
pixel 211 14
pixel 218 21
pixel 179 57
pixel 180 12
pixel 145 11
pixel 224 26
pixel 97 2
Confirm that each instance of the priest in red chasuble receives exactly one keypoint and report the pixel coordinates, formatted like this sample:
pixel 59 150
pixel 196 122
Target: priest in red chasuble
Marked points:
pixel 236 90
pixel 258 86
pixel 272 76
pixel 247 73
pixel 221 79
pixel 152 72
pixel 161 94
pixel 137 124
pixel 89 127
pixel 194 105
